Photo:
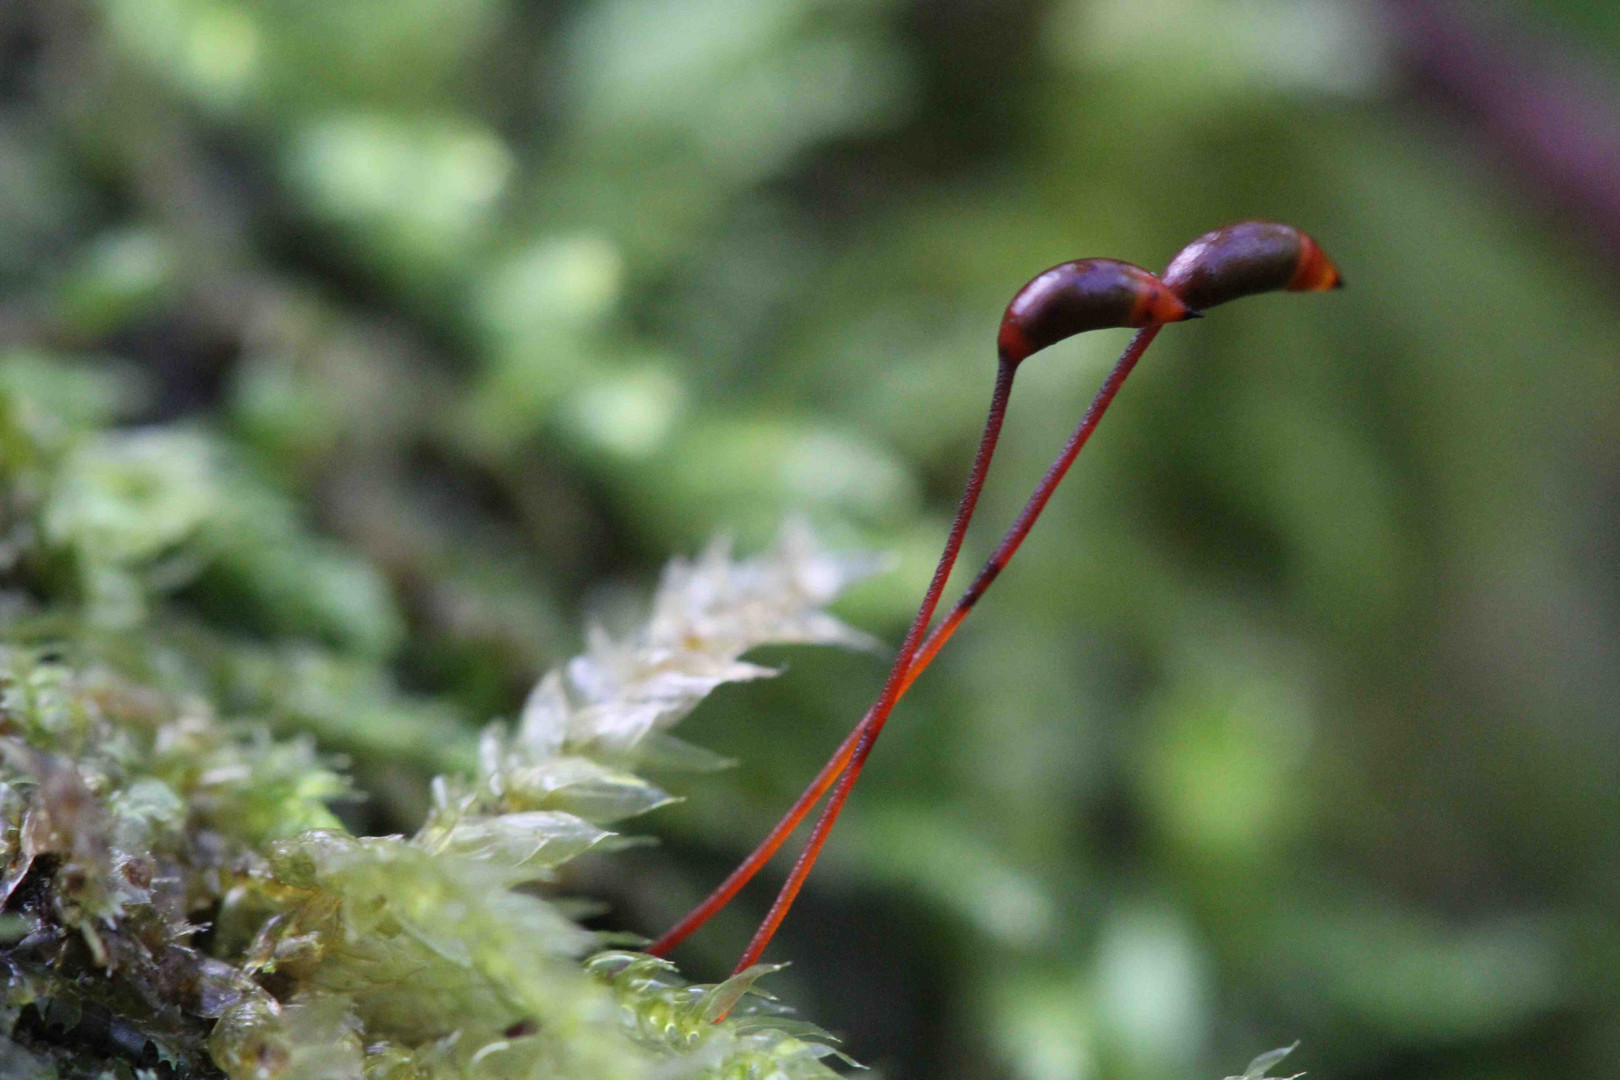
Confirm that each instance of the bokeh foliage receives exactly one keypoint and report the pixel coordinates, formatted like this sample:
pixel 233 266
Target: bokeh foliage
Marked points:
pixel 431 322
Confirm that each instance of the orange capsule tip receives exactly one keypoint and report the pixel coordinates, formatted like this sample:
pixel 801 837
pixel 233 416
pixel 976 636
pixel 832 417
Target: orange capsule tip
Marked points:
pixel 1314 272
pixel 1157 304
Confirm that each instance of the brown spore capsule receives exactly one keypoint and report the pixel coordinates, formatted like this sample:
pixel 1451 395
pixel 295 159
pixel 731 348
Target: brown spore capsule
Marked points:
pixel 1088 294
pixel 1249 257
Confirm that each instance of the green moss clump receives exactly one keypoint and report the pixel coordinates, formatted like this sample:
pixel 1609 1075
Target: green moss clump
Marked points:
pixel 180 897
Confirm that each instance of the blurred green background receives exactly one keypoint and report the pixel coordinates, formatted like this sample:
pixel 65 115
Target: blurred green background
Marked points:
pixel 1296 717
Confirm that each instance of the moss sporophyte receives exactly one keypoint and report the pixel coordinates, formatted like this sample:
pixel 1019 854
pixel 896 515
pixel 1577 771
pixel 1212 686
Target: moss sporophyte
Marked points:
pixel 1238 260
pixel 183 893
